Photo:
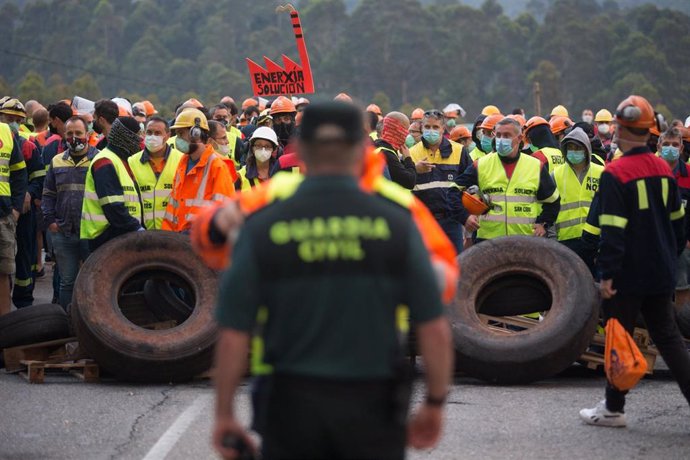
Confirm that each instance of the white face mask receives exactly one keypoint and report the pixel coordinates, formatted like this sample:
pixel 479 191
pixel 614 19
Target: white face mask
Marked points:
pixel 153 143
pixel 587 118
pixel 262 155
pixel 223 149
pixel 604 128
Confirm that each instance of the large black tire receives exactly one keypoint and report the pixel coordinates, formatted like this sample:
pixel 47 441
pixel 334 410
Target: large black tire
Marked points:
pixel 162 300
pixel 534 269
pixel 34 324
pixel 127 350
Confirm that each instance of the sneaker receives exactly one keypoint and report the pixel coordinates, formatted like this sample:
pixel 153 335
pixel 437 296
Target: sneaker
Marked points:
pixel 599 415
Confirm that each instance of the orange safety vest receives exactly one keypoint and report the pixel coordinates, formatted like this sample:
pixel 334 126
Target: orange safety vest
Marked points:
pixel 206 184
pixel 441 250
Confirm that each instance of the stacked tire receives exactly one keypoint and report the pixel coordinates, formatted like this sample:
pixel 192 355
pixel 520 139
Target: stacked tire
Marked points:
pixel 515 276
pixel 139 272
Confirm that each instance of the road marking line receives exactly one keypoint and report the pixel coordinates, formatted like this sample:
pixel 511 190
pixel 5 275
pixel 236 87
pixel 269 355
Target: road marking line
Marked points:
pixel 166 442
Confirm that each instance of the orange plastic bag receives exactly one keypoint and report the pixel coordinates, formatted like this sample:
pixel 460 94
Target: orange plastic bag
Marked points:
pixel 624 363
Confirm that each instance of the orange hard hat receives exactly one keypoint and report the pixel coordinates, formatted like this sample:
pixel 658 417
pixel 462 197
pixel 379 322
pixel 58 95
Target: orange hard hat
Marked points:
pixel 193 102
pixel 375 109
pixel 249 103
pixel 298 118
pixel 490 121
pixel 282 105
pixel 342 97
pixel 490 110
pixel 473 204
pixel 519 118
pixel 654 131
pixel 460 132
pixel 149 108
pixel 635 112
pixel 535 121
pixel 417 114
pixel 559 124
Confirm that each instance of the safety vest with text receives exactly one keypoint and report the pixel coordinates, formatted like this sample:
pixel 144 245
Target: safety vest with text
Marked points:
pixel 514 207
pixel 155 191
pixel 93 219
pixel 554 156
pixel 576 199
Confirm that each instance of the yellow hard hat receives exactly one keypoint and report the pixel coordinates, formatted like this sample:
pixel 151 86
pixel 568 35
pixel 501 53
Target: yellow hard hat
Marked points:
pixel 490 110
pixel 560 111
pixel 189 117
pixel 13 107
pixel 603 116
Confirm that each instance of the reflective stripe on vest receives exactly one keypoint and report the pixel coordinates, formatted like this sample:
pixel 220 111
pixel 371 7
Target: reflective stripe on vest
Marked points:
pixel 576 199
pixel 514 208
pixel 155 192
pixel 93 220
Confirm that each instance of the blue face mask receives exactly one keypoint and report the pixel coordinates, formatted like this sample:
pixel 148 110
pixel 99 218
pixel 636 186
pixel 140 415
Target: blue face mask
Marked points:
pixel 670 153
pixel 472 146
pixel 14 126
pixel 504 147
pixel 486 144
pixel 431 136
pixel 451 123
pixel 181 145
pixel 575 157
pixel 409 141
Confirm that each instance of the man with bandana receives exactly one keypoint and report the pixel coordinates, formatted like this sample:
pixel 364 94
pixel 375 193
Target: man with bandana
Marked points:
pixel 112 202
pixel 392 145
pixel 13 113
pixel 63 195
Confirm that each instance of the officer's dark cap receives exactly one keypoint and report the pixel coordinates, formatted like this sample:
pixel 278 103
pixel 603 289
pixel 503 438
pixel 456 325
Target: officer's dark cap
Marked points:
pixel 332 122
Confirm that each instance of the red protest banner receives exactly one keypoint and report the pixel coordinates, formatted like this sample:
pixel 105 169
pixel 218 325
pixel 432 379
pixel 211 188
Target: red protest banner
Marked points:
pixel 292 78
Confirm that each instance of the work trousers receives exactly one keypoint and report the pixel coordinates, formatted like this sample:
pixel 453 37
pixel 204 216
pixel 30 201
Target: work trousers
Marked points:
pixel 452 229
pixel 25 260
pixel 70 251
pixel 659 317
pixel 310 418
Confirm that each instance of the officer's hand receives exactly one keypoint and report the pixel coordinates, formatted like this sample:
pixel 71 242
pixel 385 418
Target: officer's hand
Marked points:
pixel 15 215
pixel 53 228
pixel 424 166
pixel 606 288
pixel 27 203
pixel 472 223
pixel 230 427
pixel 539 230
pixel 424 430
pixel 228 220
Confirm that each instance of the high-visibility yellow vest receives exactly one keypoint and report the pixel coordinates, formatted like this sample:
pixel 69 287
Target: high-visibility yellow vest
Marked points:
pixel 155 191
pixel 576 199
pixel 245 182
pixel 232 142
pixel 554 156
pixel 6 146
pixel 93 220
pixel 476 154
pixel 514 207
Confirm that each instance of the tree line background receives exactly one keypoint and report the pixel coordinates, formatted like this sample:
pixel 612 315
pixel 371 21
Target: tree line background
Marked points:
pixel 397 53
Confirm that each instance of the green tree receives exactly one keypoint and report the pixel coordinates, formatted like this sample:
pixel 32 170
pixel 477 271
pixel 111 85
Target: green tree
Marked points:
pixel 32 86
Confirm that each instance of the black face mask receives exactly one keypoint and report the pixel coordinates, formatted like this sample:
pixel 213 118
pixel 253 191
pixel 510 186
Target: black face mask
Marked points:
pixel 97 128
pixel 284 130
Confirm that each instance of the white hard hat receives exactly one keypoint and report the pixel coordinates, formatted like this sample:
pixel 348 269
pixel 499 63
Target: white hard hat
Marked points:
pixel 454 108
pixel 265 133
pixel 687 122
pixel 124 103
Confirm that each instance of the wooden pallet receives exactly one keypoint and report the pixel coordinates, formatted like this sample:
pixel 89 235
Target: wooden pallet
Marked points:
pixel 592 359
pixel 32 361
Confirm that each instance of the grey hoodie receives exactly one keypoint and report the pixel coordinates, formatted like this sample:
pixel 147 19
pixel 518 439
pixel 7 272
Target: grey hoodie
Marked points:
pixel 579 136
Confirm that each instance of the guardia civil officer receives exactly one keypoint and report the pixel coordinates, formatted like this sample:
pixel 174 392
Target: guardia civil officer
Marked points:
pixel 326 270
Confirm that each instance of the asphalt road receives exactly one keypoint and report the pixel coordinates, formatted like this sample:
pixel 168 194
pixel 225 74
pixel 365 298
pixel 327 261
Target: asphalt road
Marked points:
pixel 67 419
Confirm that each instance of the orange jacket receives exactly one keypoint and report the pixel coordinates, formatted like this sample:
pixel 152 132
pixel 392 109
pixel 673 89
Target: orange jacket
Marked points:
pixel 207 183
pixel 441 250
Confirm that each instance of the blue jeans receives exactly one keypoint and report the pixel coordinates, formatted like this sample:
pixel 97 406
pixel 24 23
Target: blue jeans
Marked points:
pixel 69 252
